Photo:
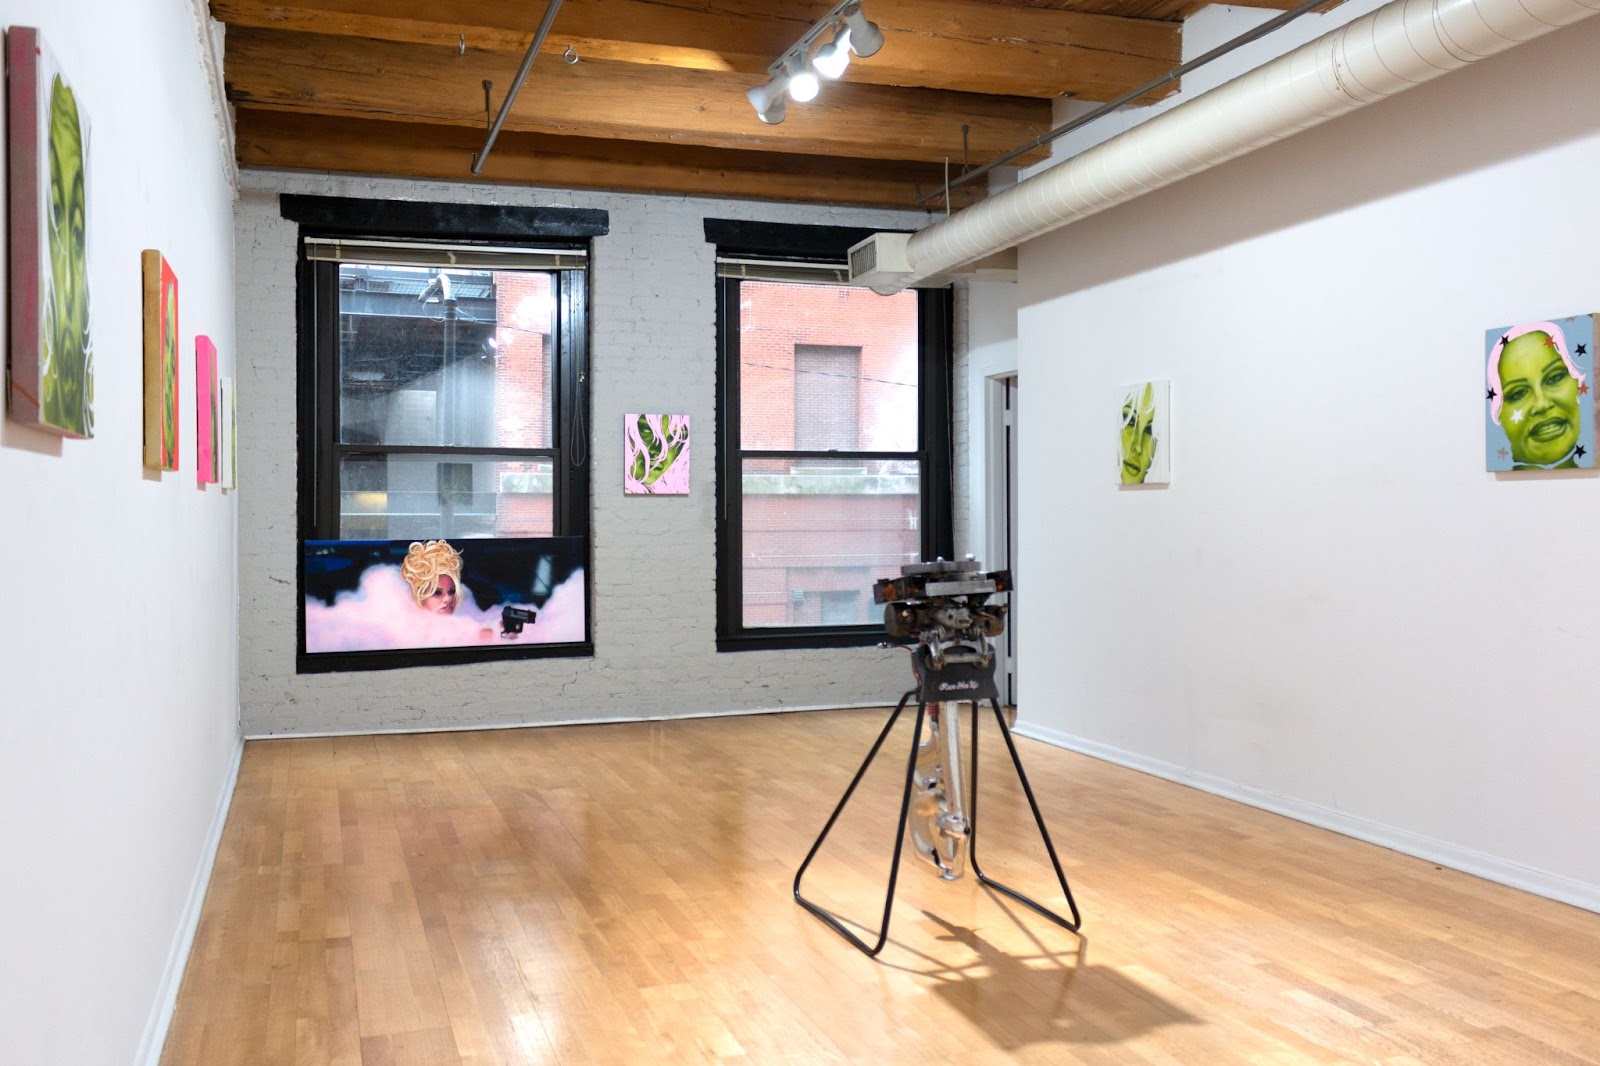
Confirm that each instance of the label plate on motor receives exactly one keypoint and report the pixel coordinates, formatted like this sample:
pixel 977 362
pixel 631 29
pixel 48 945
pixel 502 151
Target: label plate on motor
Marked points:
pixel 955 682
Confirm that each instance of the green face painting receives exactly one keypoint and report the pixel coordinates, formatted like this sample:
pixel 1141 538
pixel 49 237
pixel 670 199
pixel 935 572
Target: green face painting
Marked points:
pixel 169 371
pixel 1138 435
pixel 68 388
pixel 1539 401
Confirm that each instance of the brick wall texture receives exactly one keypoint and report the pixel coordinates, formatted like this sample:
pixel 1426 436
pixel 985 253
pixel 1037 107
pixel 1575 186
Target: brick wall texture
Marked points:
pixel 653 348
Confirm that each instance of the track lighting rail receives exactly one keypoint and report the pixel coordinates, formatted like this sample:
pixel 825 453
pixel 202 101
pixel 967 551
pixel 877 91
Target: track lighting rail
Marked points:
pixel 794 74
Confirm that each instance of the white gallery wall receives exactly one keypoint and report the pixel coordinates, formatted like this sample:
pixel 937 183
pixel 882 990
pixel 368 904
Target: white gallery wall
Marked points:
pixel 985 352
pixel 653 348
pixel 1333 610
pixel 119 647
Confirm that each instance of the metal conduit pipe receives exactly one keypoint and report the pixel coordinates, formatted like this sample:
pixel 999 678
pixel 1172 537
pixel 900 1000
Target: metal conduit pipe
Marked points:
pixel 1385 52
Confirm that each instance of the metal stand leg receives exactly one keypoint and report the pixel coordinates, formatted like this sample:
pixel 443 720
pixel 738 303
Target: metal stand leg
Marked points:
pixel 899 839
pixel 972 843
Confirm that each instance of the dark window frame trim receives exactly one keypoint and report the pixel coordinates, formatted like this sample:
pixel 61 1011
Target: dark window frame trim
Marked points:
pixel 341 216
pixel 935 332
pixel 444 223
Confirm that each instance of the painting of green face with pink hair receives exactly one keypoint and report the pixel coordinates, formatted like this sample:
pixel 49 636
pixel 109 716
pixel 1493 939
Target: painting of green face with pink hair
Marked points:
pixel 1538 403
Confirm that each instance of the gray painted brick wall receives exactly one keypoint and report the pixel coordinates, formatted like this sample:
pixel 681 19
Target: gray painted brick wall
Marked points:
pixel 654 576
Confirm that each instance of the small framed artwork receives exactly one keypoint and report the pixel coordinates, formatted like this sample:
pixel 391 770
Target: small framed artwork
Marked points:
pixel 160 361
pixel 656 455
pixel 228 408
pixel 1538 396
pixel 1144 447
pixel 208 425
pixel 51 353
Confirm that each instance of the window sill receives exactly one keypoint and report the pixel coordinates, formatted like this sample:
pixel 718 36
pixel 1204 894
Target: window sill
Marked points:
pixel 331 662
pixel 801 639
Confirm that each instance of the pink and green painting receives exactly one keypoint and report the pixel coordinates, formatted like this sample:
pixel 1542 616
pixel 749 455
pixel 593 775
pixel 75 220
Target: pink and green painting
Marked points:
pixel 160 361
pixel 657 455
pixel 207 424
pixel 51 357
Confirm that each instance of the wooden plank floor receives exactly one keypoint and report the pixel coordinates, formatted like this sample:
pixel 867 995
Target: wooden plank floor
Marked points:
pixel 620 894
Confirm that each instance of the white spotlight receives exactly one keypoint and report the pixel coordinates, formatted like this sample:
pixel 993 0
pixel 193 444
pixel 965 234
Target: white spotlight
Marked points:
pixel 768 100
pixel 865 37
pixel 833 58
pixel 803 87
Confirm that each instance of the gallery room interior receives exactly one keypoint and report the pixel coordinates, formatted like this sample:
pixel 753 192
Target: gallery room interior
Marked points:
pixel 441 602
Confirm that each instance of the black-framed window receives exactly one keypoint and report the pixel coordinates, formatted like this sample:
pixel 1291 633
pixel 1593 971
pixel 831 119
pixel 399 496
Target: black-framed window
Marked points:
pixel 443 372
pixel 833 464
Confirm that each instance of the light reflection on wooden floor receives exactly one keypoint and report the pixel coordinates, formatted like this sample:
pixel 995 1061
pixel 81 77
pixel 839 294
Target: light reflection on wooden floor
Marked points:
pixel 621 894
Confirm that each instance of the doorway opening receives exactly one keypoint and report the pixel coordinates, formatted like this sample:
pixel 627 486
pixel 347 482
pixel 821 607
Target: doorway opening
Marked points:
pixel 1000 507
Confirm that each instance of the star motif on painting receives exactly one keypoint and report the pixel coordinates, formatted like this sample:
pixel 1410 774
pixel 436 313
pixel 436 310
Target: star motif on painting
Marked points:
pixel 1518 416
pixel 1584 388
pixel 1505 340
pixel 1492 395
pixel 1583 349
pixel 1580 451
pixel 1503 453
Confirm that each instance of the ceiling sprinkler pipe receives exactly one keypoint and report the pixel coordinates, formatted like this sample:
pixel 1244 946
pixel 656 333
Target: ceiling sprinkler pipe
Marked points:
pixel 1402 44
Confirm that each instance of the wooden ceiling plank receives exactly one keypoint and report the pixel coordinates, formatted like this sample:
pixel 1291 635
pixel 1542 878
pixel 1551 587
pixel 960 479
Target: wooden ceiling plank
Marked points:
pixel 959 45
pixel 287 141
pixel 383 80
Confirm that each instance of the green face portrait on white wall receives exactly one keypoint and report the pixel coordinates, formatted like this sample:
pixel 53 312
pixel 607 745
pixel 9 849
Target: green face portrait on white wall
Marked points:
pixel 50 371
pixel 1540 412
pixel 1143 449
pixel 1538 401
pixel 68 392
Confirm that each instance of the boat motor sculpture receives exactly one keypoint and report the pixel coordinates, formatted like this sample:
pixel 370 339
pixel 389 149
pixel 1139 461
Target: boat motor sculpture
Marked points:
pixel 943 608
pixel 943 612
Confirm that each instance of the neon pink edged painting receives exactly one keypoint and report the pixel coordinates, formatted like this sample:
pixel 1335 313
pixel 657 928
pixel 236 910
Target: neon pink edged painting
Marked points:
pixel 207 423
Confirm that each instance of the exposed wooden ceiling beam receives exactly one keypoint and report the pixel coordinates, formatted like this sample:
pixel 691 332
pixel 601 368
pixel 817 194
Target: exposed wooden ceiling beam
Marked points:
pixel 309 142
pixel 961 45
pixel 344 77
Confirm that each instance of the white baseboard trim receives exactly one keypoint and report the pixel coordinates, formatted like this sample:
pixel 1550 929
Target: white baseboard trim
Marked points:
pixel 619 720
pixel 1489 867
pixel 160 1020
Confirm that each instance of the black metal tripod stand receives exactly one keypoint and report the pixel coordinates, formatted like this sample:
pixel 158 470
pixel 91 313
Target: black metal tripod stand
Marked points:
pixel 972 842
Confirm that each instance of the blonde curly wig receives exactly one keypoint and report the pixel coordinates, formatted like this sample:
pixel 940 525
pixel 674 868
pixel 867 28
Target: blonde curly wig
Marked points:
pixel 424 563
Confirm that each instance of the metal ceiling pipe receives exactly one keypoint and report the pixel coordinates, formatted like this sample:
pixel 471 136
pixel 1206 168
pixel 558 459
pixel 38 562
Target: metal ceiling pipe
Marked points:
pixel 516 84
pixel 1387 51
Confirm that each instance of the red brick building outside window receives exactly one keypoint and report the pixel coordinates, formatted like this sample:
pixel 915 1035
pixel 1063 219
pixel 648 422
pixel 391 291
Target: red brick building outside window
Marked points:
pixel 829 473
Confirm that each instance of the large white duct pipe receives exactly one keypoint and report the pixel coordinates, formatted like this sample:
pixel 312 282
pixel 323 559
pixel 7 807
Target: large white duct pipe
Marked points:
pixel 1402 44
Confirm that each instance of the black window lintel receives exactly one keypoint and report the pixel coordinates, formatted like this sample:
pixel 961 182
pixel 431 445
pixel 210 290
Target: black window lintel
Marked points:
pixel 343 215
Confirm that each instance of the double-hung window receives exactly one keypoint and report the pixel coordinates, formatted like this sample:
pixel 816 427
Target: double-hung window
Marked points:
pixel 443 392
pixel 833 437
